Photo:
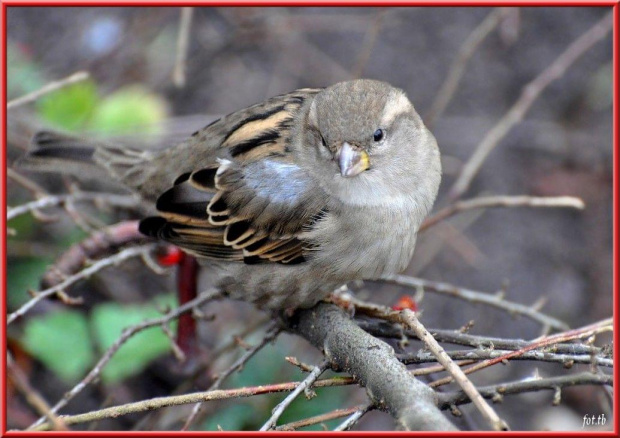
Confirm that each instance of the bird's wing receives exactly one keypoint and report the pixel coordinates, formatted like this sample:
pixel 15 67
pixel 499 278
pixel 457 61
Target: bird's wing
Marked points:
pixel 250 207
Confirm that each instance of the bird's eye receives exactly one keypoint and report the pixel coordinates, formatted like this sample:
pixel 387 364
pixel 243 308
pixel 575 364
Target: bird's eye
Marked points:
pixel 379 134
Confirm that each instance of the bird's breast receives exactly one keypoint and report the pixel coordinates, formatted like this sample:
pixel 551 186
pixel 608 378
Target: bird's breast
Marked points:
pixel 363 243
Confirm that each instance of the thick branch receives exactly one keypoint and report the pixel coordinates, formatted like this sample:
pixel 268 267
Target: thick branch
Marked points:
pixel 410 319
pixel 370 360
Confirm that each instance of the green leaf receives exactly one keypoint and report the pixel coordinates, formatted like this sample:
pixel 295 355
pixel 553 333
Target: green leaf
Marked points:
pixel 61 341
pixel 109 320
pixel 70 107
pixel 25 275
pixel 127 109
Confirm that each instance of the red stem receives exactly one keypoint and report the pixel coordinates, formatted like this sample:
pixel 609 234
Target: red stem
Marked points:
pixel 187 288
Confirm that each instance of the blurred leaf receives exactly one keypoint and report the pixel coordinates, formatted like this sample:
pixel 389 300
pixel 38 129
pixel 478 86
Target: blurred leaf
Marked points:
pixel 127 109
pixel 70 107
pixel 25 274
pixel 22 74
pixel 61 341
pixel 109 320
pixel 24 225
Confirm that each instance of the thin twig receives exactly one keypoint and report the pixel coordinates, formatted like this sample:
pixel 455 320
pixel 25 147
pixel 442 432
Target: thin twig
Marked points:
pixel 184 399
pixel 485 354
pixel 272 333
pixel 125 201
pixel 27 183
pixel 178 76
pixel 353 419
pixel 322 418
pixel 496 392
pixel 530 93
pixel 370 39
pixel 52 86
pixel 478 297
pixel 84 273
pixel 393 331
pixel 466 51
pixel 32 396
pixel 127 334
pixel 603 326
pixel 409 318
pixel 502 201
pixel 306 383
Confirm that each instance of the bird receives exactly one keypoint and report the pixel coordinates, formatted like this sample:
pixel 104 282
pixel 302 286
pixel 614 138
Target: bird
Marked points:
pixel 285 200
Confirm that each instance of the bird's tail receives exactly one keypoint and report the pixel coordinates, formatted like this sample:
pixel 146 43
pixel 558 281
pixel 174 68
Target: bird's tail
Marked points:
pixel 62 153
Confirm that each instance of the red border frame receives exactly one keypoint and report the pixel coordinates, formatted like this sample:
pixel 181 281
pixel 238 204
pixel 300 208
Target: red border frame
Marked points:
pixel 614 4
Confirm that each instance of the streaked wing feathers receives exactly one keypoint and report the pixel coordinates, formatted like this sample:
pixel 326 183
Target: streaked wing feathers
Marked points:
pixel 251 207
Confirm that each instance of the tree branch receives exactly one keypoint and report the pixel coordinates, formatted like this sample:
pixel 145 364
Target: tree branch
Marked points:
pixel 409 318
pixel 370 360
pixel 502 201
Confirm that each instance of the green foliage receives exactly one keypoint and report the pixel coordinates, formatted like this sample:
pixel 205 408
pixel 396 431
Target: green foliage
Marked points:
pixel 25 275
pixel 239 415
pixel 108 322
pixel 128 108
pixel 269 366
pixel 61 341
pixel 70 107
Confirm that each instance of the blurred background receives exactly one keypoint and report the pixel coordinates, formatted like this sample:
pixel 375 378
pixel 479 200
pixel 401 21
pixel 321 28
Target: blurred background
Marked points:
pixel 240 56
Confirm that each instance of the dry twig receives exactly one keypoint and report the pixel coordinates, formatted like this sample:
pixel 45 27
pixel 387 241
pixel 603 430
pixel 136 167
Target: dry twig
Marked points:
pixel 306 383
pixel 580 333
pixel 272 333
pixel 124 201
pixel 52 86
pixel 336 413
pixel 466 51
pixel 530 93
pixel 127 334
pixel 478 297
pixel 178 76
pixel 84 273
pixel 409 318
pixel 32 396
pixel 353 419
pixel 496 392
pixel 502 201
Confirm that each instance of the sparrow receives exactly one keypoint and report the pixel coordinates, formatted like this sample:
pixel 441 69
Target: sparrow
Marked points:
pixel 286 200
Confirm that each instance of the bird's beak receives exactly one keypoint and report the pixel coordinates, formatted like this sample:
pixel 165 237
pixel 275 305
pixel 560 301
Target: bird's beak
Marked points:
pixel 352 161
